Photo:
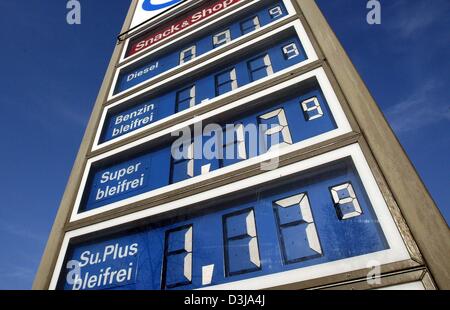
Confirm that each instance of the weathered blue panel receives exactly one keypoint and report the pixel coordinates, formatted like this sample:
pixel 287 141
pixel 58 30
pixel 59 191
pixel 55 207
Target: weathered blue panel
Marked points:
pixel 238 239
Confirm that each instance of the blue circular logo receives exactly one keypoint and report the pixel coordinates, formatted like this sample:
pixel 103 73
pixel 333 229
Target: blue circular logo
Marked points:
pixel 149 6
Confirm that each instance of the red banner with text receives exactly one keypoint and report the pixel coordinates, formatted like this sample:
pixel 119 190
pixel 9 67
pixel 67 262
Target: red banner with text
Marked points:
pixel 145 41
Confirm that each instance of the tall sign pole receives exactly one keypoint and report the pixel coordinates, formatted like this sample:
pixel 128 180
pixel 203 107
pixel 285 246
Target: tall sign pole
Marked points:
pixel 233 145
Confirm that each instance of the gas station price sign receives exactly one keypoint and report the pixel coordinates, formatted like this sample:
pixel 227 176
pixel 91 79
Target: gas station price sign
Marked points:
pixel 318 217
pixel 302 112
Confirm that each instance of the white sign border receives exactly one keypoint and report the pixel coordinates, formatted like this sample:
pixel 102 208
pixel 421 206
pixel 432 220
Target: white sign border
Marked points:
pixel 396 252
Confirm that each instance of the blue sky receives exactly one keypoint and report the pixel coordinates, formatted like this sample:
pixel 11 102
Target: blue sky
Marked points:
pixel 52 73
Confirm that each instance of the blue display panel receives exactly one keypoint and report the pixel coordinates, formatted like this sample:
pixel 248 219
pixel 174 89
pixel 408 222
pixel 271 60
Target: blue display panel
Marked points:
pixel 170 58
pixel 275 55
pixel 294 114
pixel 295 223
